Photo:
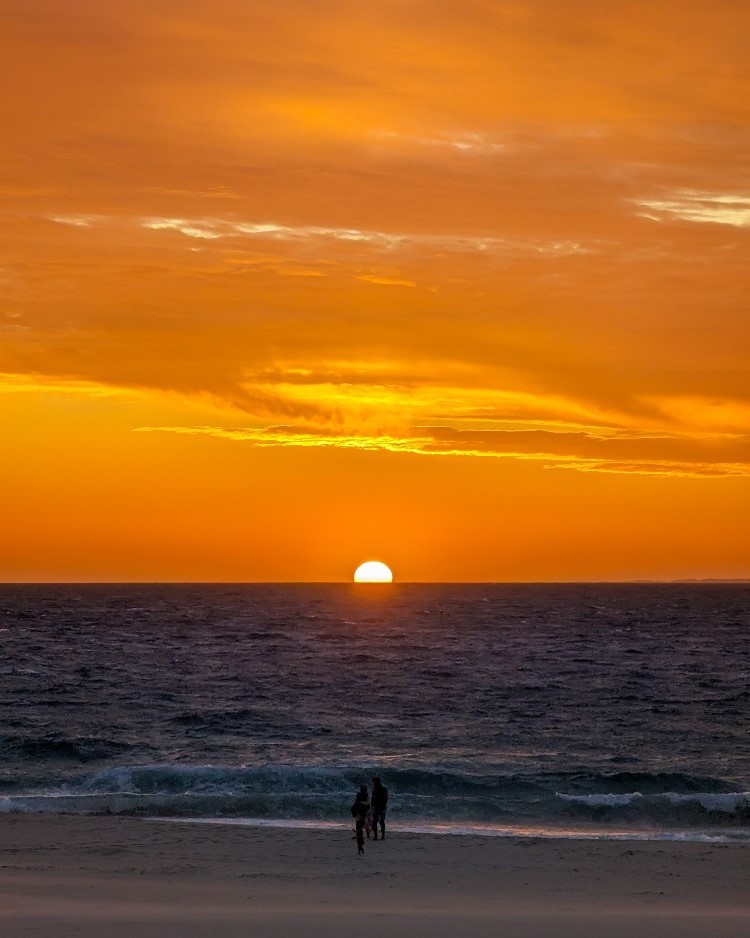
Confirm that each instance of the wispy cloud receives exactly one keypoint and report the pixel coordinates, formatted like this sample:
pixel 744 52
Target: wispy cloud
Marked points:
pixel 215 229
pixel 554 450
pixel 25 384
pixel 400 392
pixel 386 281
pixel 79 221
pixel 188 228
pixel 662 468
pixel 718 208
pixel 468 142
pixel 212 192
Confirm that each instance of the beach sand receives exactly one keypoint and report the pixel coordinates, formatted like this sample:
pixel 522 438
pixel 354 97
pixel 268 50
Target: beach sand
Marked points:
pixel 67 876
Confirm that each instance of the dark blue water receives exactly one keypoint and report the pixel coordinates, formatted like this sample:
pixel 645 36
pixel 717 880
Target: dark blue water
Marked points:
pixel 598 707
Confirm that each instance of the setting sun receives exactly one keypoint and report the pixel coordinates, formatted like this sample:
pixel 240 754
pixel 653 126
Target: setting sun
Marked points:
pixel 373 571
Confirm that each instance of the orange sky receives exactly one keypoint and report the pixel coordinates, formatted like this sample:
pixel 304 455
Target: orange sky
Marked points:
pixel 460 285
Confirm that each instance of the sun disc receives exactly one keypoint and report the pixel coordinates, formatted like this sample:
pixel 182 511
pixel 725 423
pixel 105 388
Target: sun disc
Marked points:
pixel 373 571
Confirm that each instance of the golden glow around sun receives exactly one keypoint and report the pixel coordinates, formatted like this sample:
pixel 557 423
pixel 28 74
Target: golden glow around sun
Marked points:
pixel 373 571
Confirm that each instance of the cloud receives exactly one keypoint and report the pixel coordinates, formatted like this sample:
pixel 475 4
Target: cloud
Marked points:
pixel 215 229
pixel 190 229
pixel 386 281
pixel 661 468
pixel 579 451
pixel 467 142
pixel 79 221
pixel 25 384
pixel 282 207
pixel 718 208
pixel 399 392
pixel 213 192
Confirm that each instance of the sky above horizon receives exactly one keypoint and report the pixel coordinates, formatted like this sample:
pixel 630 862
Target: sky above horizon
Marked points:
pixel 458 286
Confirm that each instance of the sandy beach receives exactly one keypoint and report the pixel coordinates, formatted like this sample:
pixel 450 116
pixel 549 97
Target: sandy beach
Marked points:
pixel 94 876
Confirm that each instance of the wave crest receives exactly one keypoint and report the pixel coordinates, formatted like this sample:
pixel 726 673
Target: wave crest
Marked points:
pixel 664 801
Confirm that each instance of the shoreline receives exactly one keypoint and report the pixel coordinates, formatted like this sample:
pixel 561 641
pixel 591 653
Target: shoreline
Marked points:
pixel 65 876
pixel 735 833
pixel 739 834
pixel 494 831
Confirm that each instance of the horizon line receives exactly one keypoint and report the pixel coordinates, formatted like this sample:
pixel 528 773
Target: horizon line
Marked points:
pixel 582 582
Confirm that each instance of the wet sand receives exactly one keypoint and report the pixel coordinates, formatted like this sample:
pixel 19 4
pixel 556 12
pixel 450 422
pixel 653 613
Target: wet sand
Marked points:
pixel 65 876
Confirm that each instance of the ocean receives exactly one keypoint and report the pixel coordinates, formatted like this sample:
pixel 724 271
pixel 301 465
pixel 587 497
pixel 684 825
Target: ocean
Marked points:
pixel 531 710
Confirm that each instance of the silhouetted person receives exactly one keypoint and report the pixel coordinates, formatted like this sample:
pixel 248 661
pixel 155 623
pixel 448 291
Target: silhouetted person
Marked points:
pixel 379 807
pixel 359 812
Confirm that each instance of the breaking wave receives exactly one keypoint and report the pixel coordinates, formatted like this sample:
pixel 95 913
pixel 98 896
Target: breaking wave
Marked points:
pixel 669 801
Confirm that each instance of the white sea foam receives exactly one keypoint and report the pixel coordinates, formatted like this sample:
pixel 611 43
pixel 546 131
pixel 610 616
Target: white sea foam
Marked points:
pixel 720 802
pixel 602 800
pixel 727 802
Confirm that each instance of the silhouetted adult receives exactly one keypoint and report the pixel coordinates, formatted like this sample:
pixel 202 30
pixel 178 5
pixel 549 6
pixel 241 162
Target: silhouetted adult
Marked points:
pixel 379 807
pixel 359 812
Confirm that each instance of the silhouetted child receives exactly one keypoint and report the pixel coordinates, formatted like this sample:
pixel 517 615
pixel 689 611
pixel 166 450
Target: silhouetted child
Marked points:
pixel 360 809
